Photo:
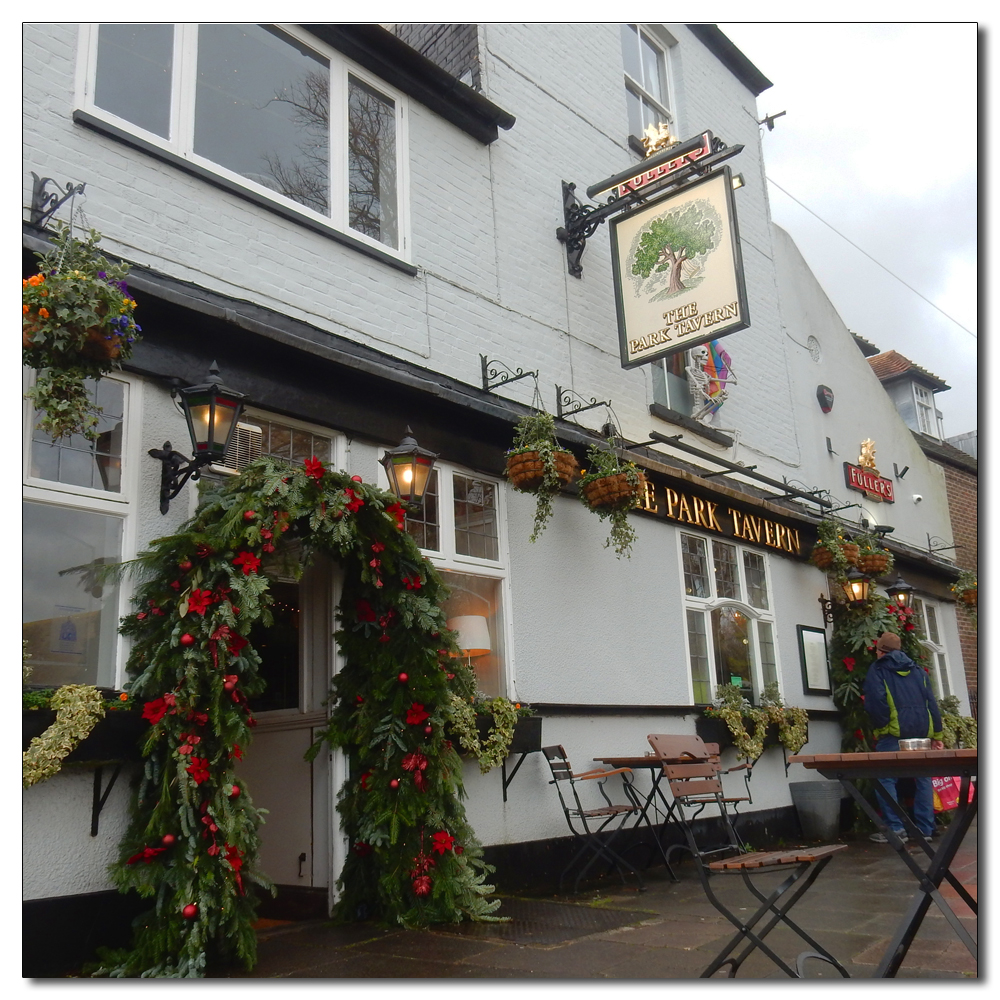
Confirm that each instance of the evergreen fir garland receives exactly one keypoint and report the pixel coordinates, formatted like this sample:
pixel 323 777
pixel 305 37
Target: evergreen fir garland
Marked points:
pixel 192 843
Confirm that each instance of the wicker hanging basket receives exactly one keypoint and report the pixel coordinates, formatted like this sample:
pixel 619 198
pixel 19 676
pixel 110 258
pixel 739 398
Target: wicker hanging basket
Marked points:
pixel 613 490
pixel 970 597
pixel 874 563
pixel 822 557
pixel 526 469
pixel 851 552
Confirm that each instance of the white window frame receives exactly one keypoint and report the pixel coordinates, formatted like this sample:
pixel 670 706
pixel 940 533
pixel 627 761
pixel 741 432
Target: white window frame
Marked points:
pixel 666 114
pixel 181 141
pixel 706 605
pixel 941 680
pixel 448 558
pixel 122 504
pixel 927 412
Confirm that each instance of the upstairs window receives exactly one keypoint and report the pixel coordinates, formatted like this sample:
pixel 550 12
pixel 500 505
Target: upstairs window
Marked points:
pixel 647 93
pixel 257 104
pixel 927 414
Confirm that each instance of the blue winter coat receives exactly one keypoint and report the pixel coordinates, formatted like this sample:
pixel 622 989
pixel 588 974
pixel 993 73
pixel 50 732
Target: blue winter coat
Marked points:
pixel 899 700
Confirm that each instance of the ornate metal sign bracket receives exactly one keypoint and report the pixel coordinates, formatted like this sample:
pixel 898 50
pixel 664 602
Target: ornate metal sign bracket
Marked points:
pixel 496 373
pixel 45 204
pixel 568 402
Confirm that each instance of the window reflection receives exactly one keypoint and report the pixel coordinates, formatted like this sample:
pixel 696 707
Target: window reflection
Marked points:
pixel 477 600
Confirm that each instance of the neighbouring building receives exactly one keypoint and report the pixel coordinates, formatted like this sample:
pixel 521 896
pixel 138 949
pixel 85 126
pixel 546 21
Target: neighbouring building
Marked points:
pixel 358 225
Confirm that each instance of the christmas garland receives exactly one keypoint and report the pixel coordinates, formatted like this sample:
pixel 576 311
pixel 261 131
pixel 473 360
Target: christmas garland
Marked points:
pixel 192 843
pixel 78 707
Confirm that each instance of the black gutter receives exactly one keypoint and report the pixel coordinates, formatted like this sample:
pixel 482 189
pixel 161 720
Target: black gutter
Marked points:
pixel 385 55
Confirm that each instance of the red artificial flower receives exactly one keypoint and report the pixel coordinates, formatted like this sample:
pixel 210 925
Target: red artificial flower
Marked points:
pixel 314 468
pixel 189 741
pixel 248 561
pixel 154 710
pixel 364 780
pixel 146 855
pixel 378 547
pixel 354 502
pixel 443 841
pixel 849 663
pixel 198 718
pixel 910 628
pixel 420 781
pixel 235 643
pixel 412 583
pixel 199 601
pixel 859 734
pixel 213 850
pixel 399 512
pixel 416 714
pixel 237 751
pixel 267 547
pixel 201 551
pixel 234 857
pixel 176 584
pixel 422 885
pixel 198 769
pixel 362 849
pixel 375 563
pixel 414 762
pixel 385 637
pixel 364 610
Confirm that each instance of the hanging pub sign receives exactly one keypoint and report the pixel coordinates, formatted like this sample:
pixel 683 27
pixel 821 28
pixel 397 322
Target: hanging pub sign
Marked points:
pixel 864 476
pixel 678 271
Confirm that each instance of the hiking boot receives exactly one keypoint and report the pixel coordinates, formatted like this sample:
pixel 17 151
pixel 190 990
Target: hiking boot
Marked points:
pixel 881 838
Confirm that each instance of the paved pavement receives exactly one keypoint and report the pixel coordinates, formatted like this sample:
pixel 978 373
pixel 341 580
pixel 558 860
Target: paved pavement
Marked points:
pixel 667 931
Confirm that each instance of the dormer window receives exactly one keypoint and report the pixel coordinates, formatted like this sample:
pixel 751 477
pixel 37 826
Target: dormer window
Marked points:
pixel 928 418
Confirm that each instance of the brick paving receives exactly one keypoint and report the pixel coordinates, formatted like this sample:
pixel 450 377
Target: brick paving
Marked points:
pixel 668 931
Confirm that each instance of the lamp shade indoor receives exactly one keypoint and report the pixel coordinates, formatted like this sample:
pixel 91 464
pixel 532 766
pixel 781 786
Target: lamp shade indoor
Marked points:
pixel 473 634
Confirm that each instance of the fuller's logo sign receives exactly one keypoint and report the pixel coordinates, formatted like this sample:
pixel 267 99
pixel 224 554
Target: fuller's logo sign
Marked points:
pixel 678 271
pixel 868 482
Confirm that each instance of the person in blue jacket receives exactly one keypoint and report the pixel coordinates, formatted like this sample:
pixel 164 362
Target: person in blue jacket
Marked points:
pixel 901 705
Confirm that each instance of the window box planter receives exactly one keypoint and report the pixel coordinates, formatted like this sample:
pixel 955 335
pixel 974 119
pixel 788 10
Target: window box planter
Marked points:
pixel 716 731
pixel 527 734
pixel 115 737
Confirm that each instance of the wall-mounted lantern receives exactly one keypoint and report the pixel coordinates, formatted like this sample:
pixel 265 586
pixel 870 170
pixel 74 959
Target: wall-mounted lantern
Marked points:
pixel 212 411
pixel 899 593
pixel 856 587
pixel 409 469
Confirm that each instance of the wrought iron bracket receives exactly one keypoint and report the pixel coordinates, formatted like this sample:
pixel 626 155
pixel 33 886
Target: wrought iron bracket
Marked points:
pixel 827 605
pixel 175 473
pixel 99 799
pixel 496 373
pixel 568 402
pixel 508 778
pixel 580 223
pixel 932 548
pixel 45 204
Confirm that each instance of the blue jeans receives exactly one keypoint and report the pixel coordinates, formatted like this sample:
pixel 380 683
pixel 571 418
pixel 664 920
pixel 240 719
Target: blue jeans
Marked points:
pixel 923 795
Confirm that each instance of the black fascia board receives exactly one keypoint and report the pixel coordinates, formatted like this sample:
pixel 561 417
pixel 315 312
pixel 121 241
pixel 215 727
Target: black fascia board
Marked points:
pixel 391 59
pixel 731 57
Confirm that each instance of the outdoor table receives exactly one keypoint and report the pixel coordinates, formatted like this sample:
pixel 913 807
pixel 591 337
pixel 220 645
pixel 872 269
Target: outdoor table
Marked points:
pixel 849 768
pixel 654 764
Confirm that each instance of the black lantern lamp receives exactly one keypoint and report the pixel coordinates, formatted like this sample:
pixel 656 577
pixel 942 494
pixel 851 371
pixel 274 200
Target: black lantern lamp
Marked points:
pixel 409 469
pixel 212 412
pixel 900 592
pixel 856 587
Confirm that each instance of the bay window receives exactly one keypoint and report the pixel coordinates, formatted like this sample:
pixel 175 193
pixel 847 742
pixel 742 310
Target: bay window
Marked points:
pixel 268 107
pixel 729 621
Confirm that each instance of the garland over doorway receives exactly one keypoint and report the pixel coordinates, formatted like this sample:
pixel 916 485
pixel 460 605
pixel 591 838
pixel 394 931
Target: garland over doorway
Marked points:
pixel 192 843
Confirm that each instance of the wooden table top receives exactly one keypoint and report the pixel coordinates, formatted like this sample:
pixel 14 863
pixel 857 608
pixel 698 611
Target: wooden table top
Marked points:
pixel 900 763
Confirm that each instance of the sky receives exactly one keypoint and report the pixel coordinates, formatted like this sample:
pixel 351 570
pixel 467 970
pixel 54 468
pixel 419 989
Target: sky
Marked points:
pixel 882 148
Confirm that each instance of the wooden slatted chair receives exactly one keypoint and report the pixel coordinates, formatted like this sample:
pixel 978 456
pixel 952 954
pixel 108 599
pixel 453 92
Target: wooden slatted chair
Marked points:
pixel 595 827
pixel 693 786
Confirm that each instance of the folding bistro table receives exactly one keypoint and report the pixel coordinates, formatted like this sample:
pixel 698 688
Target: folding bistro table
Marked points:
pixel 849 768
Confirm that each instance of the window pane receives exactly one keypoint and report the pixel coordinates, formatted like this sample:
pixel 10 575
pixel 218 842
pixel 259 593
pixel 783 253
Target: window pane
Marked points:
pixel 768 664
pixel 652 71
pixel 76 461
pixel 475 518
pixel 727 572
pixel 372 164
pixel 473 608
pixel 636 126
pixel 425 525
pixel 733 653
pixel 695 561
pixel 278 646
pixel 263 110
pixel 70 620
pixel 698 644
pixel 944 687
pixel 630 52
pixel 930 620
pixel 134 66
pixel 753 566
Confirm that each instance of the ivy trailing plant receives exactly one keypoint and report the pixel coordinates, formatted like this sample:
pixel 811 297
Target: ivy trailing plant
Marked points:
pixel 192 844
pixel 503 716
pixel 611 488
pixel 834 550
pixel 77 323
pixel 966 589
pixel 735 710
pixel 537 464
pixel 78 708
pixel 959 730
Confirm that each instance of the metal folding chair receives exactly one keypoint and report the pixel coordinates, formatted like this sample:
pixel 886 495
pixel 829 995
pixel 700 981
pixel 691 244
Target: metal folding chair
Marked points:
pixel 595 828
pixel 695 786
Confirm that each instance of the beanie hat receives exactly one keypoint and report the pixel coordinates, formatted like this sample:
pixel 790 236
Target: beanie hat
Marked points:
pixel 888 641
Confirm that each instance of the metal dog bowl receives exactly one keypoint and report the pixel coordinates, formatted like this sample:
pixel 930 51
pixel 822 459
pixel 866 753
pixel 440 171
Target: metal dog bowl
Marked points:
pixel 915 744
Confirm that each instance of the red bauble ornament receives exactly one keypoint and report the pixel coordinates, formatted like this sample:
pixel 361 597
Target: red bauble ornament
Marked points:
pixel 403 678
pixel 394 783
pixel 230 685
pixel 187 639
pixel 168 840
pixel 429 730
pixel 249 515
pixel 451 677
pixel 184 566
pixel 235 793
pixel 190 911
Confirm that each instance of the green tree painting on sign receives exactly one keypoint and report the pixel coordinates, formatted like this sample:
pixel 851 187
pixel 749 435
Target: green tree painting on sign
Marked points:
pixel 685 234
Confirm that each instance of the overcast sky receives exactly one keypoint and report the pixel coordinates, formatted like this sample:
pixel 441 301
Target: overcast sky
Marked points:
pixel 882 147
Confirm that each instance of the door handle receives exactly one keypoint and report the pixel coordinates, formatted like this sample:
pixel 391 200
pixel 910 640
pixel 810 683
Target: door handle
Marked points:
pixel 302 861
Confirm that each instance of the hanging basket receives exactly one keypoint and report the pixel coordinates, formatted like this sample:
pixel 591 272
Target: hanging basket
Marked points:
pixel 874 563
pixel 613 491
pixel 851 552
pixel 970 597
pixel 822 557
pixel 526 469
